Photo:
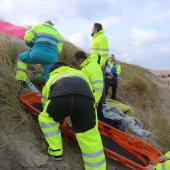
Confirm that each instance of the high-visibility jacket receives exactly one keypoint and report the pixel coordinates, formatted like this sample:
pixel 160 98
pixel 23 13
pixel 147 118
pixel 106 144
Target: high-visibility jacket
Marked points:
pixel 100 46
pixel 44 36
pixel 112 67
pixel 93 71
pixel 59 73
pixel 45 40
pixel 165 165
pixel 89 141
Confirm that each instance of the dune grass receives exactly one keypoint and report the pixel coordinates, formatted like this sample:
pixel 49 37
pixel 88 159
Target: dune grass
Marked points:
pixel 9 106
pixel 134 89
pixel 142 95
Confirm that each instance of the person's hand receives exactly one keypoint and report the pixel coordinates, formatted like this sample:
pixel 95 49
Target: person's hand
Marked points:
pixel 110 75
pixel 150 167
pixel 68 120
pixel 162 159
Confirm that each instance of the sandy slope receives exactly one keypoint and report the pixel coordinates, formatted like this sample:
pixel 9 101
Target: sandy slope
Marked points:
pixel 25 148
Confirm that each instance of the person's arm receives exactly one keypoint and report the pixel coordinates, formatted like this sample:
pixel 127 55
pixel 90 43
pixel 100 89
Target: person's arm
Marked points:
pixel 163 162
pixel 60 42
pixel 168 155
pixel 96 78
pixel 29 37
pixel 118 69
pixel 104 50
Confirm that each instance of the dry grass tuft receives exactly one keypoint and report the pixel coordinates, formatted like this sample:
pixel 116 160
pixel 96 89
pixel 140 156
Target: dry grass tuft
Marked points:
pixel 156 121
pixel 141 94
pixel 10 111
pixel 9 107
pixel 67 54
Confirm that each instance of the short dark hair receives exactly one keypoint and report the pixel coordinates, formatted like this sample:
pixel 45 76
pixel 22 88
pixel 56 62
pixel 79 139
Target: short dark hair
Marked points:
pixel 80 55
pixel 98 26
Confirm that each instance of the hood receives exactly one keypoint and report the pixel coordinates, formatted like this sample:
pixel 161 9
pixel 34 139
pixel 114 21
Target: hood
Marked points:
pixel 91 58
pixel 100 32
pixel 58 65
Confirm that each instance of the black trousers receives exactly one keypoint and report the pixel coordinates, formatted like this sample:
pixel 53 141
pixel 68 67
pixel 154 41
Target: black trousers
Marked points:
pixel 79 108
pixel 113 84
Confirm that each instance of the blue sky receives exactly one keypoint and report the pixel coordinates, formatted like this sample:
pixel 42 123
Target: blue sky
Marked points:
pixel 138 30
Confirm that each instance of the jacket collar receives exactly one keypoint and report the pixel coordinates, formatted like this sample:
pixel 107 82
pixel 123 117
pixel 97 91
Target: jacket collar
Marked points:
pixel 100 32
pixel 58 67
pixel 91 58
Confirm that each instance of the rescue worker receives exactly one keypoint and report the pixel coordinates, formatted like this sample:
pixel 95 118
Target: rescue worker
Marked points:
pixel 111 71
pixel 99 43
pixel 164 163
pixel 93 71
pixel 45 43
pixel 68 93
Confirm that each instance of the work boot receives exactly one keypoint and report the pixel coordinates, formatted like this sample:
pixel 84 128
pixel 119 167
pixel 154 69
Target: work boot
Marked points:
pixel 56 158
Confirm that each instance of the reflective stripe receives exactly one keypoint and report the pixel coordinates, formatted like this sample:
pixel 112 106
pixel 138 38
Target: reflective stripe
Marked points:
pixel 93 155
pixel 46 39
pixel 58 77
pixel 23 70
pixel 104 49
pixel 43 125
pixel 33 32
pixel 95 53
pixel 97 81
pixel 52 133
pixel 99 89
pixel 163 167
pixel 105 55
pixel 60 41
pixel 44 97
pixel 95 48
pixel 95 164
pixel 49 35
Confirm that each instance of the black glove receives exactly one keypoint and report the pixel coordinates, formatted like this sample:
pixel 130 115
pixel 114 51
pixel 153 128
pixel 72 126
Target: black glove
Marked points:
pixel 106 74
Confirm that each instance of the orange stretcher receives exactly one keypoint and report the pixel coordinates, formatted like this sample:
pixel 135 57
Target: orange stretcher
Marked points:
pixel 119 146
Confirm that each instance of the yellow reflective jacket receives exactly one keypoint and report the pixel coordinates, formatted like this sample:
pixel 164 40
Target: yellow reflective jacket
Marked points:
pixel 100 46
pixel 58 73
pixel 93 71
pixel 44 33
pixel 117 67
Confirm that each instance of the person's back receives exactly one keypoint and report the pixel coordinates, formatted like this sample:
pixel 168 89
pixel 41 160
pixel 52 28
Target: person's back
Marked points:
pixel 44 37
pixel 68 93
pixel 92 69
pixel 45 43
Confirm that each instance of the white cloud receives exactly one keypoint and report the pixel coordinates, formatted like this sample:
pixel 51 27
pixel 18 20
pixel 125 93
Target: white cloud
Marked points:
pixel 126 57
pixel 110 21
pixel 165 50
pixel 142 37
pixel 16 10
pixel 74 20
pixel 80 40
